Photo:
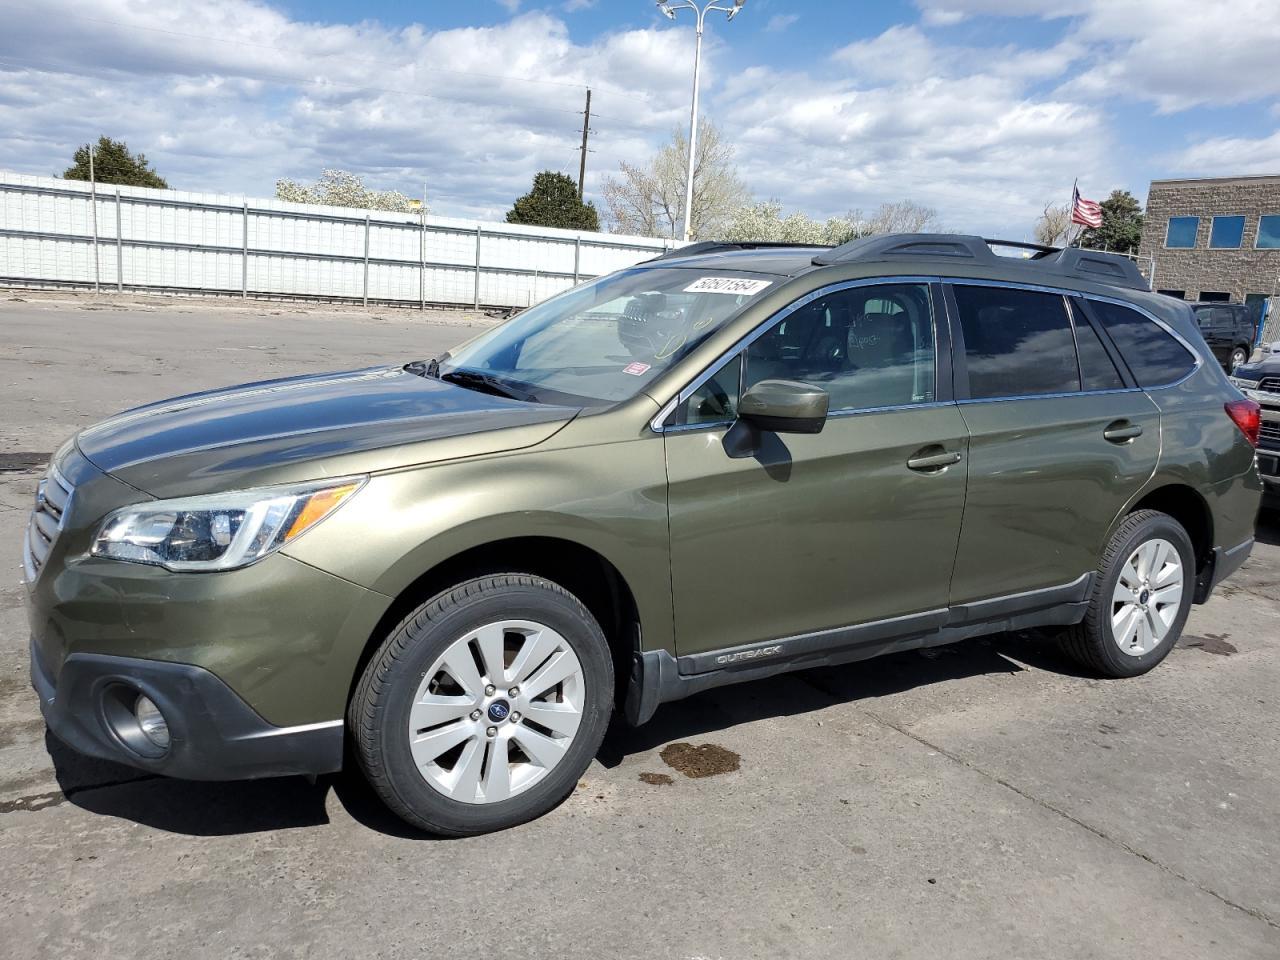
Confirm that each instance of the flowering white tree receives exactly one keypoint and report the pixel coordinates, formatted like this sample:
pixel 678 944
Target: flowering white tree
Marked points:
pixel 338 188
pixel 764 222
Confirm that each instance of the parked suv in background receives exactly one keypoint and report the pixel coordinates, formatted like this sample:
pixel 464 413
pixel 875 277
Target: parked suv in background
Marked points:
pixel 1229 330
pixel 1261 382
pixel 718 465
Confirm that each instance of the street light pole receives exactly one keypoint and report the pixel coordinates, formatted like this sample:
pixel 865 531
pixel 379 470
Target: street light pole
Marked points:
pixel 669 9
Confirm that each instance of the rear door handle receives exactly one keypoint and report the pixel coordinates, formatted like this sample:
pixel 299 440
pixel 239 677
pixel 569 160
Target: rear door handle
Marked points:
pixel 932 461
pixel 1122 431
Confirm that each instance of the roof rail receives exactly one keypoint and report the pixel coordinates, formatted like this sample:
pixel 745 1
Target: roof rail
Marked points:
pixel 714 246
pixel 1072 261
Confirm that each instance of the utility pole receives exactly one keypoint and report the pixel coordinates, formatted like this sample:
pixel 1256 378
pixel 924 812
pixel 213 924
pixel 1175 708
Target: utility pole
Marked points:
pixel 586 130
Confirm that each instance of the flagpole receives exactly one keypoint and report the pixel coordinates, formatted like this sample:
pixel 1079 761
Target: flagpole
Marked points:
pixel 1071 212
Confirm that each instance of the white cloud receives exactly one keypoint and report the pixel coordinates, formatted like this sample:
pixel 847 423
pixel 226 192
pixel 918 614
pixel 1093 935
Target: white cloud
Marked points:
pixel 780 21
pixel 511 6
pixel 231 96
pixel 1176 54
pixel 234 95
pixel 1222 156
pixel 573 6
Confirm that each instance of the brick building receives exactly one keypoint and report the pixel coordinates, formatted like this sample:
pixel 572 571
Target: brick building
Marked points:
pixel 1214 239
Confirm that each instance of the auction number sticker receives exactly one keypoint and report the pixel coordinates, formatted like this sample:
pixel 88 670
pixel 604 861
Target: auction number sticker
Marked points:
pixel 734 286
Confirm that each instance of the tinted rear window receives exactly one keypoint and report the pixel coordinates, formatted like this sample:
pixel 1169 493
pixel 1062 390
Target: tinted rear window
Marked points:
pixel 1154 357
pixel 1016 342
pixel 1096 367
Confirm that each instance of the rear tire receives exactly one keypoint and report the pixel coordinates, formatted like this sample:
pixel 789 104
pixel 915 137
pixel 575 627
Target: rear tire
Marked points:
pixel 1141 598
pixel 483 708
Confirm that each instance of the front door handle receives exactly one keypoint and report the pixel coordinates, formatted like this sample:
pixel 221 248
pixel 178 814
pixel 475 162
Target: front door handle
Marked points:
pixel 932 458
pixel 1122 431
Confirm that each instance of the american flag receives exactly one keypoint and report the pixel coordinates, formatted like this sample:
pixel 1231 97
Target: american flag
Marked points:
pixel 1087 213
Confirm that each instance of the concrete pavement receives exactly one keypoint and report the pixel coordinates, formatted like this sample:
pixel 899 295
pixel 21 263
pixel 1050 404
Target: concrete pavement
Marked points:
pixel 969 801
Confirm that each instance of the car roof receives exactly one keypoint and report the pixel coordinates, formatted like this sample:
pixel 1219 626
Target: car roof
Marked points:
pixel 925 253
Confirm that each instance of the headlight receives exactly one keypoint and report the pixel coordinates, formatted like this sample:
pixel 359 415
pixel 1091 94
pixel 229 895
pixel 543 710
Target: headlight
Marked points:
pixel 222 531
pixel 1243 384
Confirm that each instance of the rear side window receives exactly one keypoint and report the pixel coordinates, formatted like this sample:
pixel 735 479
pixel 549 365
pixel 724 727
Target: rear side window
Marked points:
pixel 1096 367
pixel 1016 342
pixel 1153 355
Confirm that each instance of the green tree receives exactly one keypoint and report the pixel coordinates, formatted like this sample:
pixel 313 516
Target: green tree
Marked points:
pixel 1121 225
pixel 554 202
pixel 113 163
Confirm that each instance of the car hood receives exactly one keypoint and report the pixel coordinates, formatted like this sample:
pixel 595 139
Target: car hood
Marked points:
pixel 1266 367
pixel 308 427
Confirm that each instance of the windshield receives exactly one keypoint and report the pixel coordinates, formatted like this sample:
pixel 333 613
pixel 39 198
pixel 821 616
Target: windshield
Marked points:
pixel 604 341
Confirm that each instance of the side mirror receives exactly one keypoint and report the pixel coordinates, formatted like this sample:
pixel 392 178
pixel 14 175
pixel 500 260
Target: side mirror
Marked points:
pixel 785 406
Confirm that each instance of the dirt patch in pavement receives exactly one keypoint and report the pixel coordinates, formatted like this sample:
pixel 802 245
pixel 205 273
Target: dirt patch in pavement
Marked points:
pixel 1215 643
pixel 704 760
pixel 656 779
pixel 23 461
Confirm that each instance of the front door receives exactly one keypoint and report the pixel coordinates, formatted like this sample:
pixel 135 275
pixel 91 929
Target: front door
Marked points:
pixel 1060 441
pixel 803 533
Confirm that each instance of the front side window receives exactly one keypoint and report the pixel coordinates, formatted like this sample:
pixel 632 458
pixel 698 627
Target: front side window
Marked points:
pixel 1269 233
pixel 1182 232
pixel 1016 342
pixel 1153 355
pixel 866 346
pixel 1227 233
pixel 604 341
pixel 715 401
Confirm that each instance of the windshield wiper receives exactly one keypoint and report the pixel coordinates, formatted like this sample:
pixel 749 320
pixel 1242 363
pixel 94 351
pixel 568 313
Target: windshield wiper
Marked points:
pixel 486 383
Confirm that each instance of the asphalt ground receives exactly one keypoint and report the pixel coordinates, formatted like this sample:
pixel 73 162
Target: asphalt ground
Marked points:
pixel 985 799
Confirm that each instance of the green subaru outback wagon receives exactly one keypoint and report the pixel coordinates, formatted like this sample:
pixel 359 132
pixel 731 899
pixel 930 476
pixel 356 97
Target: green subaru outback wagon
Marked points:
pixel 728 462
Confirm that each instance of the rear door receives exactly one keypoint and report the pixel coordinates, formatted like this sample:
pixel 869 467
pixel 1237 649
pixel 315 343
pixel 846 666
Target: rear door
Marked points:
pixel 1060 439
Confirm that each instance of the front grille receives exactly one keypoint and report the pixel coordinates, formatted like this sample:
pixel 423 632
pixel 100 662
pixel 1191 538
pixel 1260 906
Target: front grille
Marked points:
pixel 1270 384
pixel 53 498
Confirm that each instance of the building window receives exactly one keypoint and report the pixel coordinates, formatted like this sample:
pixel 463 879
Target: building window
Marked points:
pixel 1269 233
pixel 1227 233
pixel 1210 296
pixel 1179 294
pixel 1182 232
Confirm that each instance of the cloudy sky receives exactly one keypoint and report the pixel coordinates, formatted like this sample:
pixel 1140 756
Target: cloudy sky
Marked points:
pixel 983 109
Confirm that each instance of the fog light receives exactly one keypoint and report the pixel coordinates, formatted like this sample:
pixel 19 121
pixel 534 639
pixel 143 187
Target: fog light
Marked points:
pixel 152 722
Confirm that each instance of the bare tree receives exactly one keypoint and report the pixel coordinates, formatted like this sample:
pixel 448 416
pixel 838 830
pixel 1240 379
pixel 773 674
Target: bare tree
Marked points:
pixel 1054 228
pixel 904 216
pixel 648 199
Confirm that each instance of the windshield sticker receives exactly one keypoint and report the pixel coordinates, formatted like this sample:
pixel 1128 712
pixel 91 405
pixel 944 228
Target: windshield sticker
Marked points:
pixel 734 286
pixel 636 369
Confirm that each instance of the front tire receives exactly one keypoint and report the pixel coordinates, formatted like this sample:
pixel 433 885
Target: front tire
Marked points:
pixel 1239 356
pixel 484 707
pixel 1141 598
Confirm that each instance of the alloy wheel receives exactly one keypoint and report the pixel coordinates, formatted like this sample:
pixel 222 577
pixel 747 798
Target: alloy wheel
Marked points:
pixel 1147 597
pixel 496 711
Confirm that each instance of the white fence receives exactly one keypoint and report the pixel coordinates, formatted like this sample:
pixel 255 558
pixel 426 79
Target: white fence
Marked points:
pixel 144 239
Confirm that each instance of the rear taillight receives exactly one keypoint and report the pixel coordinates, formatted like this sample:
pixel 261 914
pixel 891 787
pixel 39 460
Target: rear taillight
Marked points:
pixel 1247 415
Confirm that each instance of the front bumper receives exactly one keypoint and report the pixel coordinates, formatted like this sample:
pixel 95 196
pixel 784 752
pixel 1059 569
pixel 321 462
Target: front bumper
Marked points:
pixel 1269 470
pixel 214 734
